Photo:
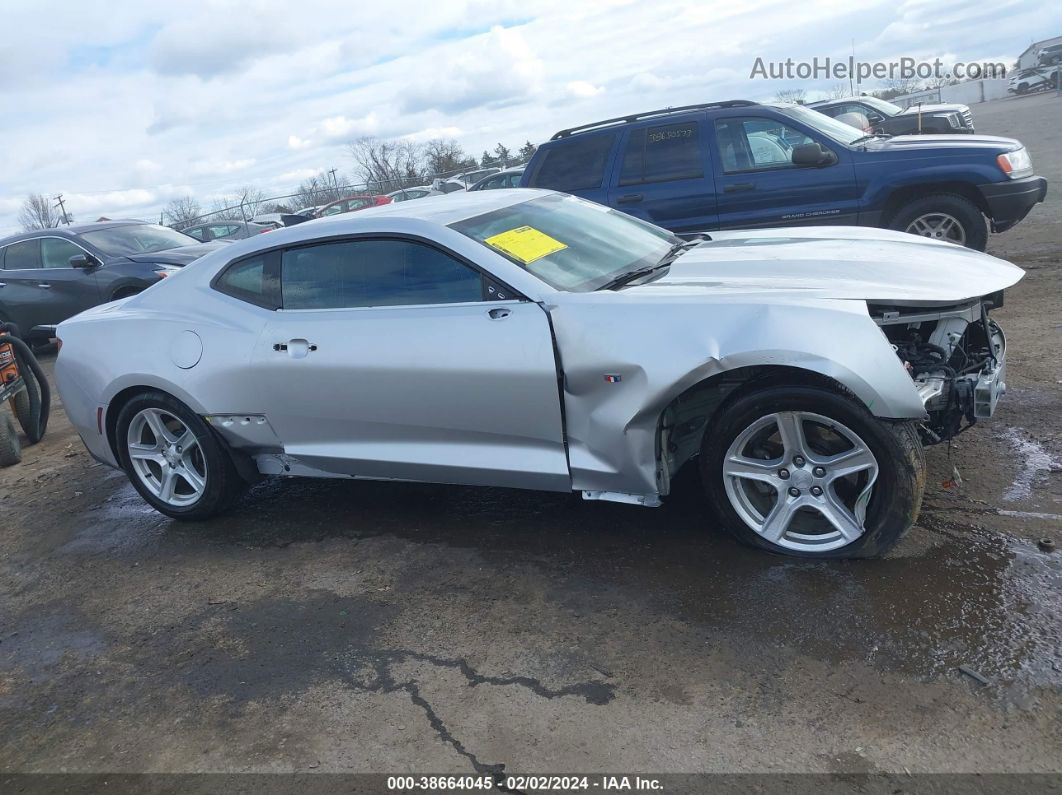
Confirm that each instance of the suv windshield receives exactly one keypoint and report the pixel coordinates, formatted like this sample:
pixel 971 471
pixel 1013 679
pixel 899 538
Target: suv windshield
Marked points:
pixel 137 239
pixel 569 243
pixel 881 105
pixel 837 130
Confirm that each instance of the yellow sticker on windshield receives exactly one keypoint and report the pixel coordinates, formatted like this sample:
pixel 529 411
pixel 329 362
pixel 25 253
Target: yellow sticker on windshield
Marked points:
pixel 526 244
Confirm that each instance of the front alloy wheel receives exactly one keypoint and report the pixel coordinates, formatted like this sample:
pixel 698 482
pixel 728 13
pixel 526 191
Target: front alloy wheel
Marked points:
pixel 939 226
pixel 801 480
pixel 806 471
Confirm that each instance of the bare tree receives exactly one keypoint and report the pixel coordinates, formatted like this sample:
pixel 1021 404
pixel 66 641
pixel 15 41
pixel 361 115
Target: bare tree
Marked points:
pixel 38 212
pixel 318 189
pixel 386 165
pixel 796 95
pixel 838 91
pixel 902 85
pixel 182 212
pixel 444 156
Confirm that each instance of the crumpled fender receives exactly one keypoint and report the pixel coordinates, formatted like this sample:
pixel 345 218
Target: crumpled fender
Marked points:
pixel 661 348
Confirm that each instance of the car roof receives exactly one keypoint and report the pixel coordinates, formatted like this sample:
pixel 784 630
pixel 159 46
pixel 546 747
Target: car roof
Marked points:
pixel 73 230
pixel 652 114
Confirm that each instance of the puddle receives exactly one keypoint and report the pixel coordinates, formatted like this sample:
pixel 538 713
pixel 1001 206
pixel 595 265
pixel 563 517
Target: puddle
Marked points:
pixel 1035 463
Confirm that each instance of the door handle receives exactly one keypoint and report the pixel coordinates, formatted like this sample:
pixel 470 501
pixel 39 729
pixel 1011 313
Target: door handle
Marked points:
pixel 629 198
pixel 3 284
pixel 44 285
pixel 738 187
pixel 499 312
pixel 296 349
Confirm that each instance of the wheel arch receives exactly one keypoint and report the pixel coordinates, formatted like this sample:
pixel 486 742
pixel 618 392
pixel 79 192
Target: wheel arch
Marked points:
pixel 902 196
pixel 243 462
pixel 682 422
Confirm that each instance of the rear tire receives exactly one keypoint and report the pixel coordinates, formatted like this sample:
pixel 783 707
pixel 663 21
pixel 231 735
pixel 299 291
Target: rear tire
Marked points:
pixel 944 216
pixel 173 458
pixel 10 447
pixel 788 493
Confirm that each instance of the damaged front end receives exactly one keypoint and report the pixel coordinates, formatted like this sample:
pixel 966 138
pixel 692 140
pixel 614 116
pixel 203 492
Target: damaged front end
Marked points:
pixel 956 356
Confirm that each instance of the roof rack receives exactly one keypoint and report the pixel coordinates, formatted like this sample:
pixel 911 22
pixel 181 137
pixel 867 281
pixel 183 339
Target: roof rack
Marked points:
pixel 730 103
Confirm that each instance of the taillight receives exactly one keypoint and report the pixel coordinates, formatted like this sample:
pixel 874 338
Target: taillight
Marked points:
pixel 58 345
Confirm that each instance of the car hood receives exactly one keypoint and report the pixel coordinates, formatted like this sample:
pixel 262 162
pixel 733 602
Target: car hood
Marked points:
pixel 905 143
pixel 934 108
pixel 837 262
pixel 181 255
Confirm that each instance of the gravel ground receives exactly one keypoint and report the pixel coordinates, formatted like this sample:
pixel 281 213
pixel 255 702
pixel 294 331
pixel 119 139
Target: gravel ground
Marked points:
pixel 354 626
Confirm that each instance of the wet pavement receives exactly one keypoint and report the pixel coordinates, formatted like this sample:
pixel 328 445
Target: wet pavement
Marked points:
pixel 335 626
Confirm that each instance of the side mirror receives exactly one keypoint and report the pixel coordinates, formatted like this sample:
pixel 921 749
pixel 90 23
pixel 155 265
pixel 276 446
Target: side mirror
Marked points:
pixel 83 261
pixel 814 155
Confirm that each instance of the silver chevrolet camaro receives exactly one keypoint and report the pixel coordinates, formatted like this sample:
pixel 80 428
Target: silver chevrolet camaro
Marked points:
pixel 531 339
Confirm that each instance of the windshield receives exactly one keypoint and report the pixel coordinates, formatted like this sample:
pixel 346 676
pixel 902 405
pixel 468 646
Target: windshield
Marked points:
pixel 837 130
pixel 881 105
pixel 569 243
pixel 137 239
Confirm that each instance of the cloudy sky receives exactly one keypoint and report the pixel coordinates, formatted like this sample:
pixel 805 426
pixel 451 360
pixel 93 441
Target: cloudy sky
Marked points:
pixel 121 106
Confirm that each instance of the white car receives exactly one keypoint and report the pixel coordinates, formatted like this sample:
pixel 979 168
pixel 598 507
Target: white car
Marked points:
pixel 531 339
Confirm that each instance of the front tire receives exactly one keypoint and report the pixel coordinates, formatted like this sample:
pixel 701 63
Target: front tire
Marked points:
pixel 807 472
pixel 945 216
pixel 173 459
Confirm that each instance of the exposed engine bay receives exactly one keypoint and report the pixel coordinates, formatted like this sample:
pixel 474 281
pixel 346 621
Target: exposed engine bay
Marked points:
pixel 956 357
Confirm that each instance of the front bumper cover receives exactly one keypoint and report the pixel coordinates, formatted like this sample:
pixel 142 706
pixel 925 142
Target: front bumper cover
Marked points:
pixel 1009 202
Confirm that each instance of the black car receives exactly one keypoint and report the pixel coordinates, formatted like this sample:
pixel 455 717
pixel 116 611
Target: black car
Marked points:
pixel 878 116
pixel 49 275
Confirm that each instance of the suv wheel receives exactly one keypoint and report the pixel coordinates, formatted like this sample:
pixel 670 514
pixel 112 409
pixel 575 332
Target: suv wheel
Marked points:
pixel 807 472
pixel 173 458
pixel 947 217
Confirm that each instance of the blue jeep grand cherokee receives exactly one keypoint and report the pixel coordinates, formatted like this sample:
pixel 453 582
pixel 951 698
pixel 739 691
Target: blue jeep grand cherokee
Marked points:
pixel 741 164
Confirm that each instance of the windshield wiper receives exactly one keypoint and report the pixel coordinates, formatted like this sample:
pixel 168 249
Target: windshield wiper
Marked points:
pixel 868 137
pixel 673 253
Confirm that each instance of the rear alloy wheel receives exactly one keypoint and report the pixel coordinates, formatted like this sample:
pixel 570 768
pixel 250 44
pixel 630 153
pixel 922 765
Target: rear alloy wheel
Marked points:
pixel 806 472
pixel 173 458
pixel 950 218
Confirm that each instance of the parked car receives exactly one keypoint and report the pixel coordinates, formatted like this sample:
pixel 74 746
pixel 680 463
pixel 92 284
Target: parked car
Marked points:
pixel 277 220
pixel 352 203
pixel 1049 56
pixel 508 178
pixel 1029 80
pixel 226 230
pixel 49 275
pixel 406 194
pixel 535 340
pixel 871 114
pixel 739 164
pixel 441 186
pixel 309 211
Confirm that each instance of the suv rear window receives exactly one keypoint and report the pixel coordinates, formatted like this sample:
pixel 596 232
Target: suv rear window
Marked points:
pixel 662 154
pixel 574 164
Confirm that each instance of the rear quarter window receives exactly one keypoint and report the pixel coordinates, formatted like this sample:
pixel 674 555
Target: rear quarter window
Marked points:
pixel 572 164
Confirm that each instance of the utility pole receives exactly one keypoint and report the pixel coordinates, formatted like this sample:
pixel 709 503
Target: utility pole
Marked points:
pixel 62 208
pixel 334 183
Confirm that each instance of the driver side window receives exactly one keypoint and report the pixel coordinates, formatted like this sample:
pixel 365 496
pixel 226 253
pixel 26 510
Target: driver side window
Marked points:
pixel 56 253
pixel 366 273
pixel 757 143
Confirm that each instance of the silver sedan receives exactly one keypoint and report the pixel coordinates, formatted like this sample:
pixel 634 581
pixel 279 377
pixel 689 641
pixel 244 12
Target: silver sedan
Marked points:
pixel 530 339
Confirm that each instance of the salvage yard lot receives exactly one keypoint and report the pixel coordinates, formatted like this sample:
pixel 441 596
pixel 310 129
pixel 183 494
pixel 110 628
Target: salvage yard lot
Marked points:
pixel 354 626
